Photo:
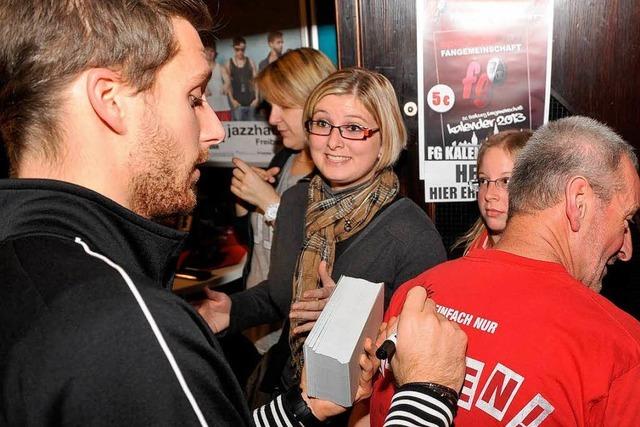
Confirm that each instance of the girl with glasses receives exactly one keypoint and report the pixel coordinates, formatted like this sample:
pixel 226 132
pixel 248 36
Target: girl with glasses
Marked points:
pixel 495 161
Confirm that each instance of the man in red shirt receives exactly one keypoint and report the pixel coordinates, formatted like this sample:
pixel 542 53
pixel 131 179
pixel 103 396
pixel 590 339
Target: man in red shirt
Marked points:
pixel 545 349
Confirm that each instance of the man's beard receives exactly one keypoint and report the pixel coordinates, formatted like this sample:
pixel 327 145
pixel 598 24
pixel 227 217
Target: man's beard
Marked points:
pixel 163 187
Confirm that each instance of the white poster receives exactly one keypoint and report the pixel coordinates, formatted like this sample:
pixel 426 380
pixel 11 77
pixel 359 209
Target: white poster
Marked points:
pixel 252 141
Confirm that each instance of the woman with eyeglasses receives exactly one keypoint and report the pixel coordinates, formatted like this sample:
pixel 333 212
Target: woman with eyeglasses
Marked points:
pixel 349 219
pixel 496 158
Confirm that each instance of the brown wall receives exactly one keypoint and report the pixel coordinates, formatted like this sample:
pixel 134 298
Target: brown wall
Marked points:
pixel 596 69
pixel 596 61
pixel 596 55
pixel 380 35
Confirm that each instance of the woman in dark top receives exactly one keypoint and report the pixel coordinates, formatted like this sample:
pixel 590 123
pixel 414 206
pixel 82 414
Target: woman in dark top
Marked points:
pixel 348 219
pixel 285 84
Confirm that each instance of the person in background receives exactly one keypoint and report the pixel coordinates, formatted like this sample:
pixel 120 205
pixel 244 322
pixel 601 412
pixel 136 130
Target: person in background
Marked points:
pixel 286 84
pixel 219 84
pixel 242 70
pixel 104 117
pixel 496 157
pixel 348 219
pixel 275 41
pixel 545 348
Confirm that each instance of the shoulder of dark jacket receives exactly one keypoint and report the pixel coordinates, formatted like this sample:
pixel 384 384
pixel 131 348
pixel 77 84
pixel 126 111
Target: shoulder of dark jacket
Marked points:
pixel 296 194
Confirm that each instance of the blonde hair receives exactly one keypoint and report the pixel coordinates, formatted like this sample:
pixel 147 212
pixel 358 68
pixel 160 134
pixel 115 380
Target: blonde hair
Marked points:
pixel 288 80
pixel 511 142
pixel 375 92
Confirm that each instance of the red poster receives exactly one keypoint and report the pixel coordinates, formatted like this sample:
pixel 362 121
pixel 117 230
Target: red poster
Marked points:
pixel 485 67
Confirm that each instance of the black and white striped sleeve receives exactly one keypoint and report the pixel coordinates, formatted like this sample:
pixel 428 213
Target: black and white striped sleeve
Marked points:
pixel 274 414
pixel 414 405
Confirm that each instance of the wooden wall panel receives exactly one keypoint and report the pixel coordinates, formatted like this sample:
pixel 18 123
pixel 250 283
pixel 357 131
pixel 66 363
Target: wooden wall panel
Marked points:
pixel 596 61
pixel 348 33
pixel 386 42
pixel 389 47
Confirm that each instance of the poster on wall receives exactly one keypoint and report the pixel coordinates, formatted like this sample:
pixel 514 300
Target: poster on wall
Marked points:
pixel 231 92
pixel 483 67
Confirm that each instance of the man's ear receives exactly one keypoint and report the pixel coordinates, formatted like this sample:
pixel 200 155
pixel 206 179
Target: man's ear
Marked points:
pixel 576 199
pixel 105 92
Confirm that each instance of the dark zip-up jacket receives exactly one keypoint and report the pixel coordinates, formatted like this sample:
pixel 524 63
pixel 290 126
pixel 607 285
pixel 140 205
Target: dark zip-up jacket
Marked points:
pixel 90 333
pixel 76 347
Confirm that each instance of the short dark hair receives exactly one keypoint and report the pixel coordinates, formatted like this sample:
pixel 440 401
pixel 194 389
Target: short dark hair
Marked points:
pixel 238 40
pixel 46 44
pixel 274 35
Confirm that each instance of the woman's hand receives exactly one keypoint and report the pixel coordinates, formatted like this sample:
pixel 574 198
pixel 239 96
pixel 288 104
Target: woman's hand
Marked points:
pixel 215 310
pixel 323 409
pixel 312 303
pixel 360 413
pixel 253 184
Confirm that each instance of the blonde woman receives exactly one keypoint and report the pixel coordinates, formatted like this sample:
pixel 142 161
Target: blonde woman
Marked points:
pixel 348 219
pixel 285 84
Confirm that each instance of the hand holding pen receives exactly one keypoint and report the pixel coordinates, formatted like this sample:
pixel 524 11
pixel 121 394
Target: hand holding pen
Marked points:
pixel 388 347
pixel 386 344
pixel 428 347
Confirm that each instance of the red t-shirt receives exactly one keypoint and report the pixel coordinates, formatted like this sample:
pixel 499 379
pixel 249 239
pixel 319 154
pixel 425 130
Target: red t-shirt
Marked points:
pixel 480 242
pixel 543 349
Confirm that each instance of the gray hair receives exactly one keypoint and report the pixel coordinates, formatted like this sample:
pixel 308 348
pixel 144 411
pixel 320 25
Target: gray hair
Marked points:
pixel 573 146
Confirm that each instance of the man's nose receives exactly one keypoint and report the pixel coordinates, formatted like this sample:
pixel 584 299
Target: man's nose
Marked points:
pixel 626 251
pixel 211 129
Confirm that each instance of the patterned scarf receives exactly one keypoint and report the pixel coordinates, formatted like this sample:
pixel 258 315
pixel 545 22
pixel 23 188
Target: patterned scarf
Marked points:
pixel 331 219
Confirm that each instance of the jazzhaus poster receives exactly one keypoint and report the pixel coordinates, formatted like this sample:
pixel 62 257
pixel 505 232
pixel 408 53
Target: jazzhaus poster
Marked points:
pixel 254 142
pixel 483 67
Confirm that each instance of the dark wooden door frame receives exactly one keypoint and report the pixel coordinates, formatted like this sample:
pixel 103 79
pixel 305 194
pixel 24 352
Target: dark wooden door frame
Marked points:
pixel 381 35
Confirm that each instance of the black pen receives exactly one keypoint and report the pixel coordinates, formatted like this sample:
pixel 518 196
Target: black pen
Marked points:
pixel 388 347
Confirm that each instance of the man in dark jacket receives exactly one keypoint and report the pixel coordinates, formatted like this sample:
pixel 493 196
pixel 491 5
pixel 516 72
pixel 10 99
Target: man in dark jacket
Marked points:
pixel 109 129
pixel 104 119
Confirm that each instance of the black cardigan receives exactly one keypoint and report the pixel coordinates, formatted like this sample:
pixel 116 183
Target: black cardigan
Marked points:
pixel 401 245
pixel 242 225
pixel 392 249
